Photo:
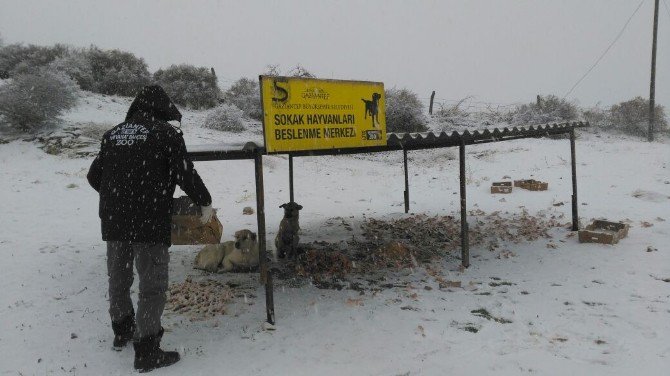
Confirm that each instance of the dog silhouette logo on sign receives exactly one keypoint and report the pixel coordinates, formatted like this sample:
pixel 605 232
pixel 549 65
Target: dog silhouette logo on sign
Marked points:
pixel 372 108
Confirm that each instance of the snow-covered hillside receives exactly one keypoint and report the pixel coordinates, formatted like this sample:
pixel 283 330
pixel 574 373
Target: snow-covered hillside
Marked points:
pixel 547 307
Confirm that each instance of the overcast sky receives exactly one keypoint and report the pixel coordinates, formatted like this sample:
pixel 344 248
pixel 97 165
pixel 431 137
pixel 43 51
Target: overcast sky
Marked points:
pixel 501 51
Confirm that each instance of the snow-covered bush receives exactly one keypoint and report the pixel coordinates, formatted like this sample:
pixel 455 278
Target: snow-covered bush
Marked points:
pixel 101 71
pixel 17 59
pixel 245 94
pixel 117 73
pixel 76 65
pixel 190 86
pixel 226 117
pixel 632 117
pixel 448 116
pixel 404 111
pixel 547 109
pixel 33 101
pixel 597 117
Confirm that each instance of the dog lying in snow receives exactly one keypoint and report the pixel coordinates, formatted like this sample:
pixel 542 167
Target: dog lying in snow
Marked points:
pixel 227 256
pixel 287 238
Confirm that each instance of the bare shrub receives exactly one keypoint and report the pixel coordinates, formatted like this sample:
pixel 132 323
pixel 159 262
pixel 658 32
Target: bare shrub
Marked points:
pixel 245 94
pixel 272 70
pixel 547 109
pixel 632 117
pixel 597 117
pixel 297 71
pixel 226 117
pixel 452 115
pixel 404 111
pixel 497 114
pixel 33 101
pixel 300 71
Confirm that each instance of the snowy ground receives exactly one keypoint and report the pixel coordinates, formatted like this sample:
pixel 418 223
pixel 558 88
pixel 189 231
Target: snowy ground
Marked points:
pixel 576 309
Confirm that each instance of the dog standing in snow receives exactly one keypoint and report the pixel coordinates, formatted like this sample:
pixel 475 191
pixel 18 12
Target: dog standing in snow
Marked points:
pixel 287 238
pixel 227 256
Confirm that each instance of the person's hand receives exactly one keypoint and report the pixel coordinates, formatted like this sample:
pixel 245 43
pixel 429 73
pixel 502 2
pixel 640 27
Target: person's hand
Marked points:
pixel 207 213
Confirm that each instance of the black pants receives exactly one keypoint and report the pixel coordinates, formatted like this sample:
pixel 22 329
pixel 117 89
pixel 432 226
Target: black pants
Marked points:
pixel 152 268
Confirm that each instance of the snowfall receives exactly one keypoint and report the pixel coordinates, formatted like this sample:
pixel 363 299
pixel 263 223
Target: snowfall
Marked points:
pixel 567 308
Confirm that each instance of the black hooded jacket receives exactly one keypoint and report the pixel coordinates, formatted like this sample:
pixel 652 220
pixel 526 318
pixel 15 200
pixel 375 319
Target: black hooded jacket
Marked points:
pixel 140 162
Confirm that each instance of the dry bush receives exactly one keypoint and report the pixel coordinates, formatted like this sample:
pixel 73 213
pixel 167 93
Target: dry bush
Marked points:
pixel 597 117
pixel 632 117
pixel 547 109
pixel 452 115
pixel 297 71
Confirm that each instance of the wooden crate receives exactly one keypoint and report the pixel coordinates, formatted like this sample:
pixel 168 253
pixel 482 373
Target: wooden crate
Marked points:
pixel 501 187
pixel 604 232
pixel 186 228
pixel 531 185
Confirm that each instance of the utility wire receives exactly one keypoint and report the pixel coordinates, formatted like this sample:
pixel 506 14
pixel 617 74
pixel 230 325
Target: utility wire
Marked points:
pixel 606 50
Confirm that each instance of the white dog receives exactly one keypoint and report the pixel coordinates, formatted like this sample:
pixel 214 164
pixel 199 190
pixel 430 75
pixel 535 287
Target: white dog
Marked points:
pixel 224 257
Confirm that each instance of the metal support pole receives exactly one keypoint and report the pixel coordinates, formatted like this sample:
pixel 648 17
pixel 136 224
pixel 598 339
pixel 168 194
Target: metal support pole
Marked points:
pixel 404 153
pixel 290 177
pixel 465 246
pixel 432 97
pixel 266 277
pixel 575 214
pixel 652 85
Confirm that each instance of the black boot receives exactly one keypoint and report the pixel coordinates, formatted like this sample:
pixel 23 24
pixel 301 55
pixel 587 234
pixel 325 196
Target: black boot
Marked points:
pixel 149 356
pixel 123 331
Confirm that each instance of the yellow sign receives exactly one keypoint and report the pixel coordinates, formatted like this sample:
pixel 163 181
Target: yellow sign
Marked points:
pixel 311 114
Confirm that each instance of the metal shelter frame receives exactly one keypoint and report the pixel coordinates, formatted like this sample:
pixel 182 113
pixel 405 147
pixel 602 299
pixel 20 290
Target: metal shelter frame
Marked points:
pixel 405 142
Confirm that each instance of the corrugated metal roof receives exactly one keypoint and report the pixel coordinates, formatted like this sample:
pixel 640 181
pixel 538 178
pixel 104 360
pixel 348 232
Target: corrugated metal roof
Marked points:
pixel 398 141
pixel 481 135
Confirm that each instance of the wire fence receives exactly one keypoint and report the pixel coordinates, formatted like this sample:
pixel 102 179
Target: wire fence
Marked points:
pixel 468 104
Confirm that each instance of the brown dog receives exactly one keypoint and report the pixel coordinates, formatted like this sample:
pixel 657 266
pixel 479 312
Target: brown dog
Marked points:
pixel 224 257
pixel 287 238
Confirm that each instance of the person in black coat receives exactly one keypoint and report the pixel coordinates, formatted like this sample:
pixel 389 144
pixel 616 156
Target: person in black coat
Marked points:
pixel 140 163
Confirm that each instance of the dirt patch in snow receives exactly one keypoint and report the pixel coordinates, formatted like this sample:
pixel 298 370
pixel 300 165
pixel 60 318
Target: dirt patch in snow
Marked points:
pixel 417 240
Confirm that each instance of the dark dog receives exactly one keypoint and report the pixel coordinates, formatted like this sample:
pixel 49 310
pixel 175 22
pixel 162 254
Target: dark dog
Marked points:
pixel 287 237
pixel 372 108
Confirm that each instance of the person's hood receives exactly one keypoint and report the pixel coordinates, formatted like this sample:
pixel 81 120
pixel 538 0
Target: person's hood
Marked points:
pixel 153 102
